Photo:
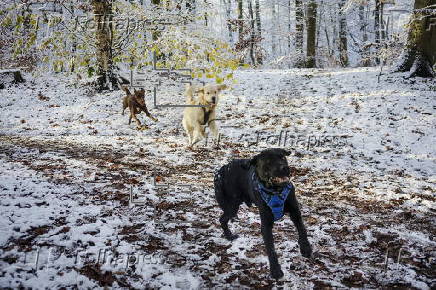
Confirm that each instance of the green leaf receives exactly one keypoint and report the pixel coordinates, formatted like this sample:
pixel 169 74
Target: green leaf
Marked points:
pixel 90 71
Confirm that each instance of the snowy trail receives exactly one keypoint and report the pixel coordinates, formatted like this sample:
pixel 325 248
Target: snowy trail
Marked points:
pixel 331 221
pixel 70 192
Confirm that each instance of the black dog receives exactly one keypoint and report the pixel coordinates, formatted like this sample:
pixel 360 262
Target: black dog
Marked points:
pixel 264 181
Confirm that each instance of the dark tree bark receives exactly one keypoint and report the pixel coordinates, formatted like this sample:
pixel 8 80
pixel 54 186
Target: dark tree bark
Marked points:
pixel 419 55
pixel 155 34
pixel 190 5
pixel 240 26
pixel 240 21
pixel 228 5
pixel 311 34
pixel 343 31
pixel 205 15
pixel 382 22
pixel 15 75
pixel 258 22
pixel 377 26
pixel 252 32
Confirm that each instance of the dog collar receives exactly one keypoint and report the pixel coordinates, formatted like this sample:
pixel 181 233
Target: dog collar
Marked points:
pixel 274 199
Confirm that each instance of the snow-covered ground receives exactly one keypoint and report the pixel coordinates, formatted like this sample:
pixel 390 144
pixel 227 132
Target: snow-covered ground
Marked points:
pixel 89 201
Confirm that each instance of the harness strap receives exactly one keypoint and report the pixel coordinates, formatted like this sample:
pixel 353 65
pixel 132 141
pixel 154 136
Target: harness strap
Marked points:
pixel 206 116
pixel 274 199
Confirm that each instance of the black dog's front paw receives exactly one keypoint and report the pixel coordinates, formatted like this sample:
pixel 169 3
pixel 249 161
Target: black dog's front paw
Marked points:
pixel 305 249
pixel 276 272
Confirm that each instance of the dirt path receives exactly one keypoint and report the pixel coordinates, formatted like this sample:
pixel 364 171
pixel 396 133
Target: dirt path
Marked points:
pixel 179 227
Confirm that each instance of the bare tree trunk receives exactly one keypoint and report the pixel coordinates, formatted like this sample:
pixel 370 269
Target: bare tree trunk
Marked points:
pixel 299 31
pixel 377 27
pixel 383 30
pixel 343 31
pixel 241 27
pixel 382 22
pixel 228 5
pixel 318 25
pixel 363 24
pixel 103 17
pixel 335 33
pixel 426 40
pixel 327 38
pixel 273 31
pixel 289 41
pixel 155 34
pixel 259 29
pixel 258 22
pixel 205 15
pixel 311 34
pixel 252 32
pixel 420 54
pixel 240 20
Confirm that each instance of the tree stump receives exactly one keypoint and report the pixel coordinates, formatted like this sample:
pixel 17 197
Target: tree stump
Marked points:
pixel 10 76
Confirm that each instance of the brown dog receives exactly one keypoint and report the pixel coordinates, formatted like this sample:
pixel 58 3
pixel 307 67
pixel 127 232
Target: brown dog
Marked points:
pixel 136 104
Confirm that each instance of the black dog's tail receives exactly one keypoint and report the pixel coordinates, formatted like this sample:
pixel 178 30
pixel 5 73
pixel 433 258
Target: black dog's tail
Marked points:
pixel 219 188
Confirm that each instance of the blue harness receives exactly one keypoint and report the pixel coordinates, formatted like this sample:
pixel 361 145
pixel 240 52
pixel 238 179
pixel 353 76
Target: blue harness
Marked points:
pixel 275 200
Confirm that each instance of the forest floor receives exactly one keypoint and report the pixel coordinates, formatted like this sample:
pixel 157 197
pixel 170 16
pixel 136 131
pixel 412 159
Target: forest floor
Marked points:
pixel 88 201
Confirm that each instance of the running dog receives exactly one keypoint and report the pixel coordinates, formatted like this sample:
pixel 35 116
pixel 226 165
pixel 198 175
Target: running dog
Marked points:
pixel 202 111
pixel 136 104
pixel 264 181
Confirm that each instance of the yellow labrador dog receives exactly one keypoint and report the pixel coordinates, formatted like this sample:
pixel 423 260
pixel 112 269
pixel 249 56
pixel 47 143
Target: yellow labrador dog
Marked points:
pixel 196 119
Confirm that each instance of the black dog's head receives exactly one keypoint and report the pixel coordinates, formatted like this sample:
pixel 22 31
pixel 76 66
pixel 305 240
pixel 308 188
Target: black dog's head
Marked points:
pixel 272 167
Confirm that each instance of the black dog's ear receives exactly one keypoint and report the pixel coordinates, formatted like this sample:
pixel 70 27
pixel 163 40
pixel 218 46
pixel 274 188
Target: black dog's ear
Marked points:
pixel 285 152
pixel 251 162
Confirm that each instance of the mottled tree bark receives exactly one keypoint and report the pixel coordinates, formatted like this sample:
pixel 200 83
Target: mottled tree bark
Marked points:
pixel 363 24
pixel 343 31
pixel 103 17
pixel 240 20
pixel 299 31
pixel 311 34
pixel 377 27
pixel 252 33
pixel 259 28
pixel 228 5
pixel 420 54
pixel 273 31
